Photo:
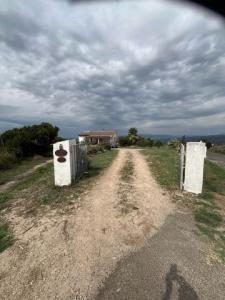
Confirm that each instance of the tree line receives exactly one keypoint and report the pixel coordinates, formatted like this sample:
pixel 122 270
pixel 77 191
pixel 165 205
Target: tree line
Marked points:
pixel 19 143
pixel 132 139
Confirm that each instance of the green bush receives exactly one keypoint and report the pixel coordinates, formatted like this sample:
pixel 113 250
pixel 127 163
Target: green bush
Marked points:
pixel 106 146
pixel 30 140
pixel 124 141
pixel 158 144
pixel 94 149
pixel 143 142
pixel 7 160
pixel 174 143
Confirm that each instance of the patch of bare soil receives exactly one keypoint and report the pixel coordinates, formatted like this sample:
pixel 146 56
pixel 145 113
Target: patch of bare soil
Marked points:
pixel 69 256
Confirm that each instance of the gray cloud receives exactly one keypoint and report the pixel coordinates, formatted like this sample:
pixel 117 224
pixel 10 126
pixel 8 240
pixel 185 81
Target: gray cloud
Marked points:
pixel 151 64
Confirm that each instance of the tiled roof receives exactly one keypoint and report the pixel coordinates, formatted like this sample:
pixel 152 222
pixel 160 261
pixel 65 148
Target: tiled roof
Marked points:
pixel 102 133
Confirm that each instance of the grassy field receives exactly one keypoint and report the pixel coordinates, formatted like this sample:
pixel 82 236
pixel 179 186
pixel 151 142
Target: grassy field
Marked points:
pixel 218 149
pixel 38 190
pixel 21 167
pixel 208 208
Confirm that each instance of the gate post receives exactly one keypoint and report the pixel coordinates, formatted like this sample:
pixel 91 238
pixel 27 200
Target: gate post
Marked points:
pixel 195 156
pixel 62 163
pixel 181 166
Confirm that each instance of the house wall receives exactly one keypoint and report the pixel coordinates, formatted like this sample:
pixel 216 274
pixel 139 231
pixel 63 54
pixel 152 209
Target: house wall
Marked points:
pixel 94 140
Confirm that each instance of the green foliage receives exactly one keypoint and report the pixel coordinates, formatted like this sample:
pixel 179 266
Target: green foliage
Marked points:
pixel 145 142
pixel 19 167
pixel 207 217
pixel 124 141
pixel 207 143
pixel 127 171
pixel 174 143
pixel 6 239
pixel 94 149
pixel 100 162
pixel 158 144
pixel 5 198
pixel 132 135
pixel 7 160
pixel 106 146
pixel 29 140
pixel 132 131
pixel 164 164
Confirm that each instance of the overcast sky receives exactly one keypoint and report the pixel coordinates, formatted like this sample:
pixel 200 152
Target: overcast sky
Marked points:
pixel 154 65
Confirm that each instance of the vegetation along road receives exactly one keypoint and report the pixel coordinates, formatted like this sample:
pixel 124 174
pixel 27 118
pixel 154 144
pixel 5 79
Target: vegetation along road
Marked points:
pixel 116 234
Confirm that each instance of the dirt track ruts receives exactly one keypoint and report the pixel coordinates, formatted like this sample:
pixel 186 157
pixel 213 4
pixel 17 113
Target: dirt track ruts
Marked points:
pixel 69 256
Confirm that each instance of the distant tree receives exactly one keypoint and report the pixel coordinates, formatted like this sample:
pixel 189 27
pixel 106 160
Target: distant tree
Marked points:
pixel 143 142
pixel 207 143
pixel 29 140
pixel 124 141
pixel 158 144
pixel 132 134
pixel 132 131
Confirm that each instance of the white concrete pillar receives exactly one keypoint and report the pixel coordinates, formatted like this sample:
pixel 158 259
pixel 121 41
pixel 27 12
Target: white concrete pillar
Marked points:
pixel 194 166
pixel 62 163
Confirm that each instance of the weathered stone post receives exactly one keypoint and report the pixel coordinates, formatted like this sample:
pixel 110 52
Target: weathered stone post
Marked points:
pixel 194 166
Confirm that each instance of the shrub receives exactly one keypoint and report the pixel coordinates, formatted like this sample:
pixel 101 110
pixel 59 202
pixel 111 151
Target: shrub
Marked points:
pixel 174 143
pixel 94 149
pixel 124 141
pixel 29 140
pixel 158 144
pixel 143 142
pixel 7 160
pixel 106 146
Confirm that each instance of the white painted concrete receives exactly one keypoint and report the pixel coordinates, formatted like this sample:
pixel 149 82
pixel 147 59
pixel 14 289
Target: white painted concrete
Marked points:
pixel 62 170
pixel 194 167
pixel 69 165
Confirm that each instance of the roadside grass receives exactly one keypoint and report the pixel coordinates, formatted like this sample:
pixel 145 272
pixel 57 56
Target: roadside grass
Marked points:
pixel 125 187
pixel 38 191
pixel 127 172
pixel 164 163
pixel 6 239
pixel 40 185
pixel 218 149
pixel 100 161
pixel 208 207
pixel 21 167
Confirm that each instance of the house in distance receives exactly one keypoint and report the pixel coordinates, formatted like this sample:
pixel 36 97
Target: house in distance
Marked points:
pixel 99 137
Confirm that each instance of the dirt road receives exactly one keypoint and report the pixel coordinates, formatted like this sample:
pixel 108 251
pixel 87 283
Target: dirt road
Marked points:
pixel 217 158
pixel 70 256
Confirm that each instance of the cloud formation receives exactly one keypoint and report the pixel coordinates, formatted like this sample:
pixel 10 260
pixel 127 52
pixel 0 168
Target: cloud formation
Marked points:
pixel 155 65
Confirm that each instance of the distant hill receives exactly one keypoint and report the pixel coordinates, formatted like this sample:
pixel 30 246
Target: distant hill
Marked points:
pixel 215 139
pixel 159 137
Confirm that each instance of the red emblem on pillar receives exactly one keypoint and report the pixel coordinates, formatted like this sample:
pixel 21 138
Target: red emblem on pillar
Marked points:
pixel 61 153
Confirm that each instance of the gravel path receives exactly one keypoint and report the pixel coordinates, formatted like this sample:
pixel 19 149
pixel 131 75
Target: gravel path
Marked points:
pixel 70 256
